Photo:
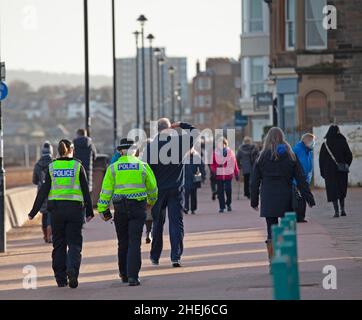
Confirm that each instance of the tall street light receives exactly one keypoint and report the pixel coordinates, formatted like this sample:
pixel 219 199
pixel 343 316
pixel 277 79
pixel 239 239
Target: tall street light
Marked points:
pixel 86 68
pixel 179 100
pixel 115 128
pixel 136 34
pixel 171 71
pixel 150 38
pixel 161 64
pixel 142 20
pixel 157 53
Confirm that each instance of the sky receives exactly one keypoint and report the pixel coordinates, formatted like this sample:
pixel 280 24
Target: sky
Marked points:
pixel 47 35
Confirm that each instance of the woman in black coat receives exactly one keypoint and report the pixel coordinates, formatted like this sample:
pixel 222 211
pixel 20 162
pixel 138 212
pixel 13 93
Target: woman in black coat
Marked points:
pixel 336 181
pixel 273 175
pixel 193 166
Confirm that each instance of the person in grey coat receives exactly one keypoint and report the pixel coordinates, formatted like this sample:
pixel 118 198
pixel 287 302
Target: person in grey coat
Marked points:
pixel 274 172
pixel 246 157
pixel 39 173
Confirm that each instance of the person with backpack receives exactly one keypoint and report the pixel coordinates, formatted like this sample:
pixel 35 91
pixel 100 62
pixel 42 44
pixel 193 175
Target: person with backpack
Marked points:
pixel 39 173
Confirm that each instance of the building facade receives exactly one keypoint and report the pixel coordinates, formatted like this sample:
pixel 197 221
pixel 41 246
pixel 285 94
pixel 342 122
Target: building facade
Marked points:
pixel 216 93
pixel 255 52
pixel 162 89
pixel 317 69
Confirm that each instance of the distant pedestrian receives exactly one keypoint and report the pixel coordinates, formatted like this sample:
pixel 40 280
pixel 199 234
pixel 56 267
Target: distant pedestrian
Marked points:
pixel 165 155
pixel 40 171
pixel 194 175
pixel 246 157
pixel 224 166
pixel 304 153
pixel 274 172
pixel 85 151
pixel 334 160
pixel 67 191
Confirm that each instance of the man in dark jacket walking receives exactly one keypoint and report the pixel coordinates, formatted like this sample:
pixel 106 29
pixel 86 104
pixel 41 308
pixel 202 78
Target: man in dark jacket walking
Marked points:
pixel 85 151
pixel 246 157
pixel 165 156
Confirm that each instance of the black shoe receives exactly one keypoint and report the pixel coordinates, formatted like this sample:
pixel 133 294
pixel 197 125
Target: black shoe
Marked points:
pixel 132 282
pixel 230 209
pixel 186 211
pixel 154 262
pixel 62 284
pixel 193 212
pixel 336 215
pixel 302 221
pixel 221 211
pixel 148 240
pixel 73 280
pixel 343 214
pixel 124 279
pixel 176 264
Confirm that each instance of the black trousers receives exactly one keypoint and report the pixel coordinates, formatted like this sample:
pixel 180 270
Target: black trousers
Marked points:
pixel 191 194
pixel 172 200
pixel 302 210
pixel 224 187
pixel 247 185
pixel 66 221
pixel 129 218
pixel 269 223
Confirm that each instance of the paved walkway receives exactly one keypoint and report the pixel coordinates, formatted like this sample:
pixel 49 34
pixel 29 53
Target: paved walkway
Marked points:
pixel 224 258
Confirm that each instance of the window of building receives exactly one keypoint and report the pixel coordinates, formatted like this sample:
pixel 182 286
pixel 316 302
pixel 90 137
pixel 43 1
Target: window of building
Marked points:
pixel 256 16
pixel 204 83
pixel 290 16
pixel 257 81
pixel 315 34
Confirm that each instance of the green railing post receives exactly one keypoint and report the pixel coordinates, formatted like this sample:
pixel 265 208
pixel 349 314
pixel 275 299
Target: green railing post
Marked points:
pixel 277 236
pixel 280 280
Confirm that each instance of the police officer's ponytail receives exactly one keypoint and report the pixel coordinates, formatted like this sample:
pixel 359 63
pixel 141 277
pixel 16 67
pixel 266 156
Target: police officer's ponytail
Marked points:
pixel 64 147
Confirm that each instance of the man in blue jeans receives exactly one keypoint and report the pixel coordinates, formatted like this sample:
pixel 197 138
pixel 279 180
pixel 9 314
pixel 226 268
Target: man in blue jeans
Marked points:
pixel 165 156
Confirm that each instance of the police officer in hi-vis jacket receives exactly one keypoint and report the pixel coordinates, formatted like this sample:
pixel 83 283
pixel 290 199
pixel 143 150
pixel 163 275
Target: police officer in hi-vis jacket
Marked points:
pixel 67 190
pixel 131 185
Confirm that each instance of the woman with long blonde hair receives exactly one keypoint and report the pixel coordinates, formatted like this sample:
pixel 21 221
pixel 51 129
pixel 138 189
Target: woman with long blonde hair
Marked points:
pixel 274 172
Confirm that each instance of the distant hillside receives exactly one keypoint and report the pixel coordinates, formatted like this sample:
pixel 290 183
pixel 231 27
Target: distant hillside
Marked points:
pixel 39 78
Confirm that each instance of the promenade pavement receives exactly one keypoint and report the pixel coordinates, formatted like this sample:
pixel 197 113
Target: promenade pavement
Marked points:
pixel 224 257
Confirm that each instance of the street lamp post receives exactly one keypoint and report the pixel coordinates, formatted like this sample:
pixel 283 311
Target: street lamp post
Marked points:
pixel 136 34
pixel 86 68
pixel 161 63
pixel 171 71
pixel 142 20
pixel 115 128
pixel 157 53
pixel 179 100
pixel 150 38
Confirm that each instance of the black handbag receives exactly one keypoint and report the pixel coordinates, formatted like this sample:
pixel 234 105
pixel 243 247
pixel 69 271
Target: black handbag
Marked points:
pixel 341 166
pixel 297 201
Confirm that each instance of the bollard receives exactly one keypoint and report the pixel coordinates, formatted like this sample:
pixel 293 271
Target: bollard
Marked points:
pixel 277 236
pixel 280 281
pixel 292 216
pixel 288 249
pixel 291 237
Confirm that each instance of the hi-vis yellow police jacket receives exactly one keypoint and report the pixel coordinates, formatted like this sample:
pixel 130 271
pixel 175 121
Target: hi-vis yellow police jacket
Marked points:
pixel 129 178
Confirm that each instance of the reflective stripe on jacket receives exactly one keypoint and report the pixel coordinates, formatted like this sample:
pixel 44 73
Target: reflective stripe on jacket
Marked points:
pixel 129 178
pixel 65 183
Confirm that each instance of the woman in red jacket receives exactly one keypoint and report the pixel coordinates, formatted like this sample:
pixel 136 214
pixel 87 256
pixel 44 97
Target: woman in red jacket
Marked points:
pixel 225 167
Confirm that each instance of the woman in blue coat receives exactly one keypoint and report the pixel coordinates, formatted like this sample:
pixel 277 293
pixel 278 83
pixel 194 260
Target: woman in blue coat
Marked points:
pixel 194 175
